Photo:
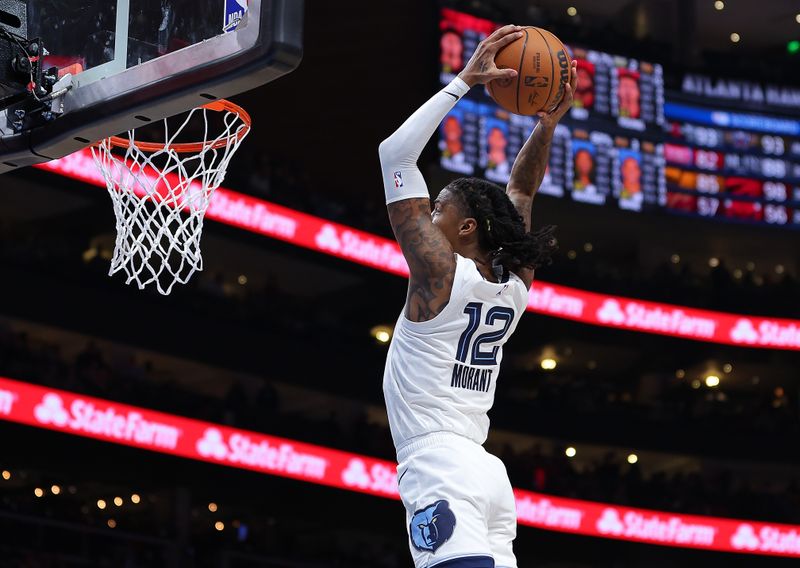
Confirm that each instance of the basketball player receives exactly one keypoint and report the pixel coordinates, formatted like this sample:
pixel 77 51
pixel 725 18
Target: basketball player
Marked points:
pixel 471 261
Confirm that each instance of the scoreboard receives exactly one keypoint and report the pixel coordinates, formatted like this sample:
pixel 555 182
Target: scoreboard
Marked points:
pixel 606 151
pixel 628 90
pixel 627 144
pixel 732 164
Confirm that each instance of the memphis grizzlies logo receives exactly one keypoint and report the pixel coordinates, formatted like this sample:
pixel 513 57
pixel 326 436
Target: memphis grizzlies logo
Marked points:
pixel 432 526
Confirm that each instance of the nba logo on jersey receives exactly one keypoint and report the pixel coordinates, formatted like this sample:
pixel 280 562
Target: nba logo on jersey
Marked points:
pixel 234 12
pixel 398 179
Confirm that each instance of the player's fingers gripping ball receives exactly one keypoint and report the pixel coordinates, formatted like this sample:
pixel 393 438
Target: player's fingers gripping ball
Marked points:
pixel 543 71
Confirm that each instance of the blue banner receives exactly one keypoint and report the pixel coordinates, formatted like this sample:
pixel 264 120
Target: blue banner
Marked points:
pixel 727 119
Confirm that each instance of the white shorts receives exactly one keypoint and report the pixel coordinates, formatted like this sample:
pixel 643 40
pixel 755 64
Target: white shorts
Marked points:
pixel 460 507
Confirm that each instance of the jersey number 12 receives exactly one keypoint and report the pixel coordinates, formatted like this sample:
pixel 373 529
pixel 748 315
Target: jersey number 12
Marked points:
pixel 477 355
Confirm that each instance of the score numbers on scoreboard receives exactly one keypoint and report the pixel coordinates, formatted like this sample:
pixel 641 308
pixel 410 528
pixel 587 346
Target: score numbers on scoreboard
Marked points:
pixel 624 145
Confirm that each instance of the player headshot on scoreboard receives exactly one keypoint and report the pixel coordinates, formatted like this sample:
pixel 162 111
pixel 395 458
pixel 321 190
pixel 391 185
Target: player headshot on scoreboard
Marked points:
pixel 498 168
pixel 452 51
pixel 584 186
pixel 451 144
pixel 628 93
pixel 584 94
pixel 630 175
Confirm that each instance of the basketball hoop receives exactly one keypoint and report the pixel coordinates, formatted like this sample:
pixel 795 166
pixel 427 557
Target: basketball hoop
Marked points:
pixel 161 191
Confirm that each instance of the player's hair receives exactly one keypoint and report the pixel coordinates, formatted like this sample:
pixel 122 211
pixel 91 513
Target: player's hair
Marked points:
pixel 501 230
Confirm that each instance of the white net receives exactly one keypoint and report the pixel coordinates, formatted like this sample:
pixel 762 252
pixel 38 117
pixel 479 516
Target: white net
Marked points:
pixel 161 192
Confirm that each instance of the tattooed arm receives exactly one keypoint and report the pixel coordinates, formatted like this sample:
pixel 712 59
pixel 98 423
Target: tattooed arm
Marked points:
pixel 430 257
pixel 528 171
pixel 531 163
pixel 431 262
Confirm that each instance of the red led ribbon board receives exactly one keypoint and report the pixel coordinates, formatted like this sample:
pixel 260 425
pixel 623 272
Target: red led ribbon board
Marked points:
pixel 79 415
pixel 264 218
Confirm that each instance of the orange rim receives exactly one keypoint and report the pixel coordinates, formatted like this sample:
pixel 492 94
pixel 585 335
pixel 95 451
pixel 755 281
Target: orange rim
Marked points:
pixel 221 105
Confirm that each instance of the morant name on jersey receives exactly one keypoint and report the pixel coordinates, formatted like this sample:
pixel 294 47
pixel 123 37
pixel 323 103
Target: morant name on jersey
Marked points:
pixel 441 375
pixel 471 378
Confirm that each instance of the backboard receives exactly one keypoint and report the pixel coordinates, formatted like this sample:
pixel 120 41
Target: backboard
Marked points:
pixel 113 65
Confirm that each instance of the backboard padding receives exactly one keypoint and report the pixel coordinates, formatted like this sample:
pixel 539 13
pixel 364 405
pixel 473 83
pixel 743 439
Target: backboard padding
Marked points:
pixel 216 67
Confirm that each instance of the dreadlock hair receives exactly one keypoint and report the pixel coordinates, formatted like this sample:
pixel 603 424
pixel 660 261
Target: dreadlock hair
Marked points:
pixel 501 230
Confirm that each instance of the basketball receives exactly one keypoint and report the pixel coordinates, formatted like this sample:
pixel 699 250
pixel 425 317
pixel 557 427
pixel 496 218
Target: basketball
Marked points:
pixel 543 70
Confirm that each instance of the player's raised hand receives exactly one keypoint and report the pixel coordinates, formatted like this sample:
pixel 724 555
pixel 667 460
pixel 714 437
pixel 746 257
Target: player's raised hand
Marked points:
pixel 480 69
pixel 551 118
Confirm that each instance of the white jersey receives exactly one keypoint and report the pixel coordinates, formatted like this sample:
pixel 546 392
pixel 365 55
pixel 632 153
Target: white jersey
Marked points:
pixel 441 374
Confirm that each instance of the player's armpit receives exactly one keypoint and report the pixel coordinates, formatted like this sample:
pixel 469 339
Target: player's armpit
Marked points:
pixel 430 258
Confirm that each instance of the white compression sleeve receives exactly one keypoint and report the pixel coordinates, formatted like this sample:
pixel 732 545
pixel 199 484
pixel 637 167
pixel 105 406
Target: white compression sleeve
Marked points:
pixel 399 153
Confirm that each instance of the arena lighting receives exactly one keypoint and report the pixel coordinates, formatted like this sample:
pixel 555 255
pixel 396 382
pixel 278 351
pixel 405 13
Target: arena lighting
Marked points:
pixel 55 489
pixel 212 507
pixel 572 255
pixel 719 5
pixel 112 523
pixel 588 247
pixel 382 333
pixel 219 525
pixel 135 499
pixel 633 458
pixel 675 258
pixel 548 364
pixel 793 46
pixel 89 255
pixel 712 381
pixel 680 373
pixel 242 280
pixel 727 368
pixel 118 501
pixel 797 19
pixel 572 11
pixel 570 452
pixel 779 269
pixel 737 273
pixel 713 262
pixel 6 474
pixel 101 504
pixel 735 37
pixel 696 384
pixel 39 492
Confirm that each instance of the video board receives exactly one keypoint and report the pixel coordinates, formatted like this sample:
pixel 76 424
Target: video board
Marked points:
pixel 624 145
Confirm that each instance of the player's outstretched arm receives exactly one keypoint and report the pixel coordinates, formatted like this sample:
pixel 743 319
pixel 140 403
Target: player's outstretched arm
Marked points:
pixel 531 163
pixel 429 255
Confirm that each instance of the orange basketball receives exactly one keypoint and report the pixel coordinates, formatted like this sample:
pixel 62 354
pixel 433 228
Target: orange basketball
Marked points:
pixel 543 70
